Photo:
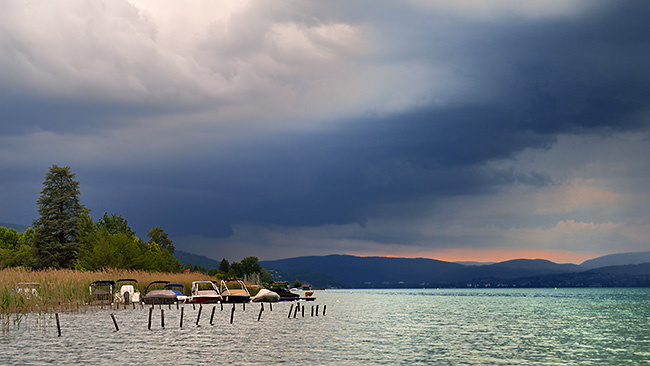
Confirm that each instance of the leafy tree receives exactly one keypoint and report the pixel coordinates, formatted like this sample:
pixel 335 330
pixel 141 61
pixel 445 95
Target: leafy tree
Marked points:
pixel 297 284
pixel 114 224
pixel 159 236
pixel 249 266
pixel 15 247
pixel 111 243
pixel 55 237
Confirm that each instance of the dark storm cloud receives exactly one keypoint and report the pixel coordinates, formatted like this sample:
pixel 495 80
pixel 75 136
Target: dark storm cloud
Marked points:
pixel 272 124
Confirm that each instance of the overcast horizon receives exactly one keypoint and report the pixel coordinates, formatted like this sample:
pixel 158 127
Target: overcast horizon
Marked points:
pixel 454 130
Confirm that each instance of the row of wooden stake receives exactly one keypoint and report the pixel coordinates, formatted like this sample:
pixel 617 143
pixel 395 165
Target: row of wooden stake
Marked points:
pixel 198 317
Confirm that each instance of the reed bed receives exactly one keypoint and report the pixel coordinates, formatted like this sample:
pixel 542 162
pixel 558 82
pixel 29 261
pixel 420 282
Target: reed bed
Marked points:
pixel 68 290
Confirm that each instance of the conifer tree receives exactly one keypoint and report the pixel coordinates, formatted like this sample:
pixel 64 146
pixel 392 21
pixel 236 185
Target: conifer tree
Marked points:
pixel 56 232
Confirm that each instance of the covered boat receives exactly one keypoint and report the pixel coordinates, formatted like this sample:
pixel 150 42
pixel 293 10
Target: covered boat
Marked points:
pixel 127 292
pixel 178 290
pixel 159 296
pixel 235 295
pixel 204 292
pixel 265 295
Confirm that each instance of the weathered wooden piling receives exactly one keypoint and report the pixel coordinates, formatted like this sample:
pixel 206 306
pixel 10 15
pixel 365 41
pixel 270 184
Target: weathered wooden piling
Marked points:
pixel 232 313
pixel 182 310
pixel 324 308
pixel 295 312
pixel 212 315
pixel 162 318
pixel 58 326
pixel 303 310
pixel 150 312
pixel 261 310
pixel 199 315
pixel 221 305
pixel 290 310
pixel 270 307
pixel 115 322
pixel 312 310
pixel 316 310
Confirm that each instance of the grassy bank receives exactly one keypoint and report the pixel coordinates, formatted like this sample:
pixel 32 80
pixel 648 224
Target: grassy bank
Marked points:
pixel 67 290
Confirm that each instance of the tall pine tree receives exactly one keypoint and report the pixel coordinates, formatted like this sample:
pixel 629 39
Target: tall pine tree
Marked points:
pixel 56 233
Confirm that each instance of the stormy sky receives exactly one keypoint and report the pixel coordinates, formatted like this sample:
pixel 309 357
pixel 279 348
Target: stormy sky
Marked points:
pixel 457 130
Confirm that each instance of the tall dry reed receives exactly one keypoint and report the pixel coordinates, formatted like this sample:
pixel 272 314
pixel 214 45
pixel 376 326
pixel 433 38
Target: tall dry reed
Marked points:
pixel 68 290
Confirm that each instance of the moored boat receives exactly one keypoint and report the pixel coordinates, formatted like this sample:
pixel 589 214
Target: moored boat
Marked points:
pixel 159 296
pixel 281 289
pixel 101 290
pixel 204 292
pixel 235 295
pixel 127 293
pixel 177 288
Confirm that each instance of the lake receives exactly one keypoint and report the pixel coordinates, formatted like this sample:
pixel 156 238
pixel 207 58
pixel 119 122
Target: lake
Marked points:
pixel 360 327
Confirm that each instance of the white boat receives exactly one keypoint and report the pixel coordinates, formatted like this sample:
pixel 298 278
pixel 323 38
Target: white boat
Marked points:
pixel 204 292
pixel 127 293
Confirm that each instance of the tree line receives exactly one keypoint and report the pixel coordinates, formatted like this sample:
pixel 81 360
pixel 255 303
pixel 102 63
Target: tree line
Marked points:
pixel 65 236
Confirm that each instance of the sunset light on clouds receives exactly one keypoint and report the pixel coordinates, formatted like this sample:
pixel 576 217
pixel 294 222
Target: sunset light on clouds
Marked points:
pixel 455 130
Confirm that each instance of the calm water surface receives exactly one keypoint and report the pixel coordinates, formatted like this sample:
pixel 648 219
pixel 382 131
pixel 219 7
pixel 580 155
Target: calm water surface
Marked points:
pixel 361 327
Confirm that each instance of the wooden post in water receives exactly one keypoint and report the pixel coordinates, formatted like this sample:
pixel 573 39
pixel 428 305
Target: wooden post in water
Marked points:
pixel 295 312
pixel 58 326
pixel 303 311
pixel 324 308
pixel 261 310
pixel 232 313
pixel 182 310
pixel 150 312
pixel 290 310
pixel 244 306
pixel 270 307
pixel 162 318
pixel 312 310
pixel 199 315
pixel 115 322
pixel 212 315
pixel 221 305
pixel 316 310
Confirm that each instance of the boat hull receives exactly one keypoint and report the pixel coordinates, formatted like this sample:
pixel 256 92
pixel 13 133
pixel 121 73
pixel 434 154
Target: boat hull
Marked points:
pixel 235 299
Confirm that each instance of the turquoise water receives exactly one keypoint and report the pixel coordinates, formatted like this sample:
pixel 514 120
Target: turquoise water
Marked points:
pixel 360 327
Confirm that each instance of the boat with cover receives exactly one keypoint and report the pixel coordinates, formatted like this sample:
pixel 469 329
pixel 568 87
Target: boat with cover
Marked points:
pixel 265 295
pixel 127 293
pixel 160 296
pixel 235 295
pixel 178 290
pixel 204 292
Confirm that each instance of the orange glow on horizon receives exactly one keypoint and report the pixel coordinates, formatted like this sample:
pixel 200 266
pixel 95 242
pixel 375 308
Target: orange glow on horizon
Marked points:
pixel 492 255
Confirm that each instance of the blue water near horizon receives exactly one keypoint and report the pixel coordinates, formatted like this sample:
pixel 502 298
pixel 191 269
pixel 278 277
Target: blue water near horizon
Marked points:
pixel 361 327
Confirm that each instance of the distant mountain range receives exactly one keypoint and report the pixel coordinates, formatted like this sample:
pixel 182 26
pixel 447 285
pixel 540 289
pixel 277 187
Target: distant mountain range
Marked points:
pixel 345 271
pixel 17 227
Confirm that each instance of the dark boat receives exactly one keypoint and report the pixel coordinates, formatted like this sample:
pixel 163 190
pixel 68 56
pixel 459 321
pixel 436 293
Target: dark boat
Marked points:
pixel 101 290
pixel 280 288
pixel 236 295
